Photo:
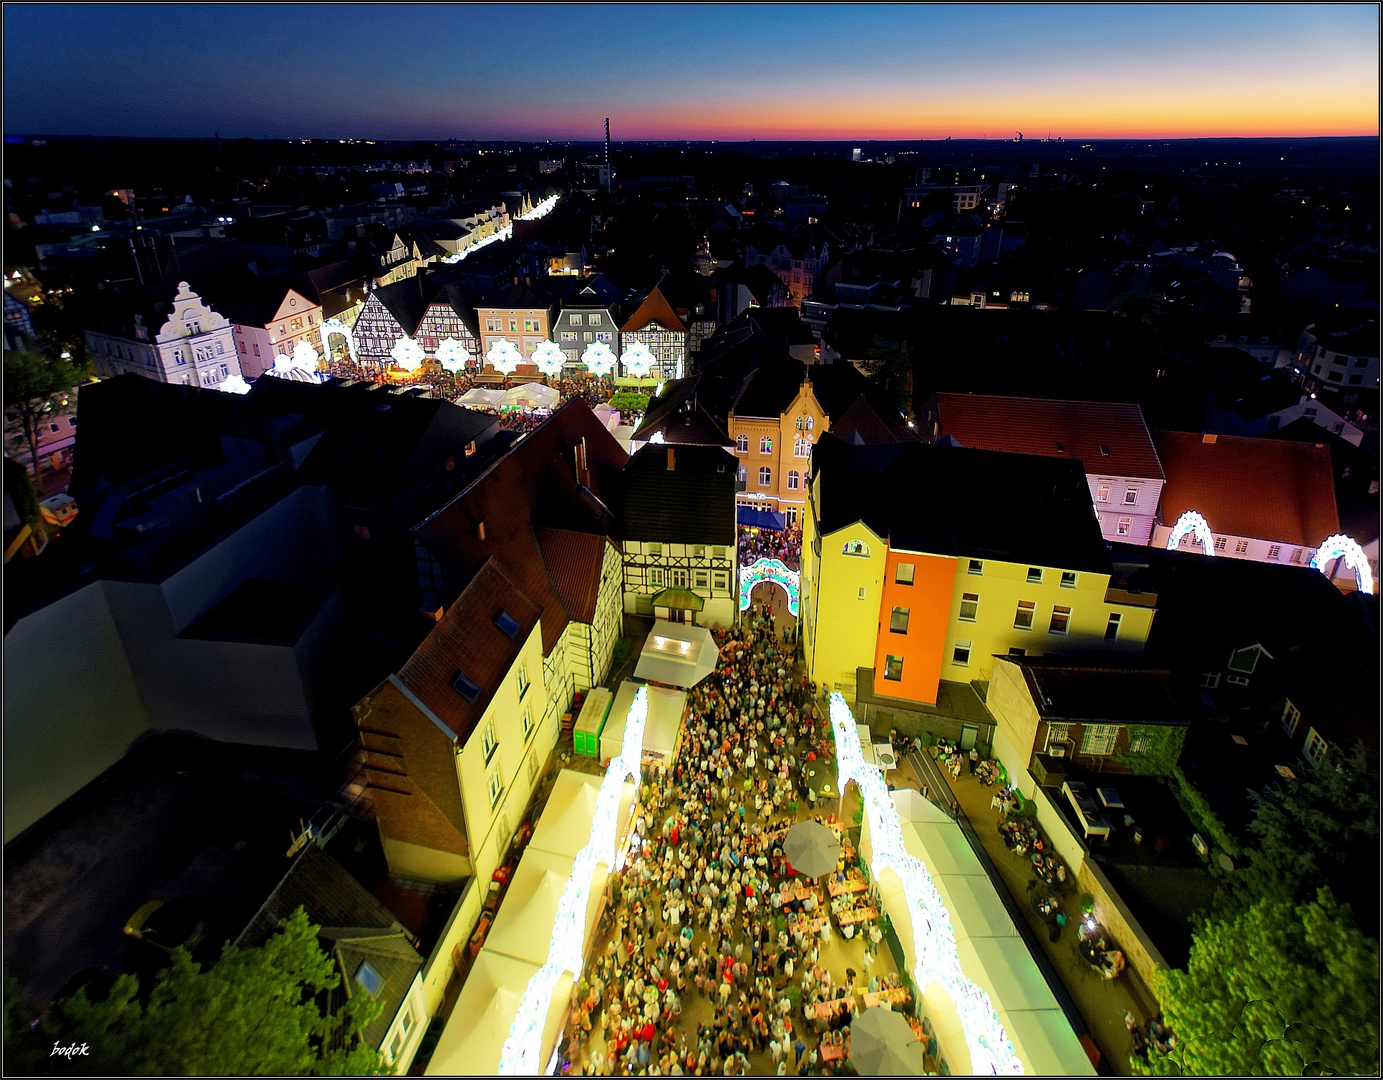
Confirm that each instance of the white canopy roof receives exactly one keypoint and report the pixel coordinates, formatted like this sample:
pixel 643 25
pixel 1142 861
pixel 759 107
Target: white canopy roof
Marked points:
pixel 975 907
pixel 941 847
pixel 473 1039
pixel 1046 1045
pixel 478 395
pixel 530 396
pixel 1004 969
pixel 565 827
pixel 677 654
pixel 523 927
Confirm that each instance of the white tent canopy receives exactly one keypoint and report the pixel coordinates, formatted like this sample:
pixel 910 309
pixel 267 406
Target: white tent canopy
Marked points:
pixel 523 927
pixel 976 910
pixel 677 654
pixel 479 396
pixel 1045 1044
pixel 565 827
pixel 530 396
pixel 665 710
pixel 1004 969
pixel 473 1039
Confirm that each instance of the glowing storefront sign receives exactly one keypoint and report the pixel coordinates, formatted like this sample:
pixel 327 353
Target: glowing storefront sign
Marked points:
pixel 524 1044
pixel 1192 522
pixel 771 570
pixel 1338 546
pixel 934 940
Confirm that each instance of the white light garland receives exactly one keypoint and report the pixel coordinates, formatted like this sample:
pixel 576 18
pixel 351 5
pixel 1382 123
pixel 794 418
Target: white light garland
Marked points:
pixel 407 354
pixel 934 940
pixel 599 359
pixel 776 571
pixel 304 359
pixel 452 355
pixel 541 210
pixel 493 238
pixel 548 358
pixel 1192 522
pixel 233 384
pixel 504 356
pixel 1338 545
pixel 336 326
pixel 304 355
pixel 523 1047
pixel 637 361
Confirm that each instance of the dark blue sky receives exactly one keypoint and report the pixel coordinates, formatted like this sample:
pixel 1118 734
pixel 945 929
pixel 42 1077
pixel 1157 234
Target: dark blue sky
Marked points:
pixel 690 72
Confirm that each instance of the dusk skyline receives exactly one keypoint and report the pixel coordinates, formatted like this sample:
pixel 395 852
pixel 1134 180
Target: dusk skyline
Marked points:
pixel 692 73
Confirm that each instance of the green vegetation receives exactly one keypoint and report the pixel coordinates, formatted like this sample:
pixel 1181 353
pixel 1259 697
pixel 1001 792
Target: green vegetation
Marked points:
pixel 1202 816
pixel 20 487
pixel 32 377
pixel 1163 749
pixel 1281 989
pixel 255 1012
pixel 889 365
pixel 629 404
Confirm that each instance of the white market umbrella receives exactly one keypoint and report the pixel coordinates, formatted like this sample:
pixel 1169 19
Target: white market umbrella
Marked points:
pixel 811 848
pixel 883 1044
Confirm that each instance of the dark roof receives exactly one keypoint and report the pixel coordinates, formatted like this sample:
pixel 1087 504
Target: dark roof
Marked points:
pixel 940 500
pixel 397 963
pixel 468 642
pixel 678 414
pixel 1108 437
pixel 680 494
pixel 1081 692
pixel 406 301
pixel 1356 476
pixel 1257 395
pixel 575 562
pixel 781 324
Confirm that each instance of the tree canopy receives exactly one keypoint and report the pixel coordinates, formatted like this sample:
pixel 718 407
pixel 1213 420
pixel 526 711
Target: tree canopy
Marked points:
pixel 32 377
pixel 1281 989
pixel 255 1012
pixel 889 365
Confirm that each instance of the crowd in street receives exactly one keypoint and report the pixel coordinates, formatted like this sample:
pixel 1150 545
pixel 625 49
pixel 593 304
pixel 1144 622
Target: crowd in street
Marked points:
pixel 698 919
pixel 782 544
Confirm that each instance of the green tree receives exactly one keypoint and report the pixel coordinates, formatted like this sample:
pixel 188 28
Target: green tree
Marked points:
pixel 32 377
pixel 629 403
pixel 889 366
pixel 254 1012
pixel 1318 827
pixel 1280 990
pixel 1143 309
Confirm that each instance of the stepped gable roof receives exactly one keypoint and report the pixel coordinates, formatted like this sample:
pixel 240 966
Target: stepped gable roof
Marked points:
pixel 534 484
pixel 1267 489
pixel 575 563
pixel 937 499
pixel 1024 425
pixel 1104 693
pixel 467 641
pixel 654 309
pixel 693 502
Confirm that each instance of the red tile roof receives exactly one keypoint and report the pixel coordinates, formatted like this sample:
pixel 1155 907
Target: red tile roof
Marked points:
pixel 574 562
pixel 1036 426
pixel 654 309
pixel 1267 489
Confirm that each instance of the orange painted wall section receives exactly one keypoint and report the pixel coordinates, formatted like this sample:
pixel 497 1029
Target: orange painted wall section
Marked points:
pixel 928 600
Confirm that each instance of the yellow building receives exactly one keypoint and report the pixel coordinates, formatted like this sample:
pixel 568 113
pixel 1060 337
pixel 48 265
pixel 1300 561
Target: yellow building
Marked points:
pixel 922 563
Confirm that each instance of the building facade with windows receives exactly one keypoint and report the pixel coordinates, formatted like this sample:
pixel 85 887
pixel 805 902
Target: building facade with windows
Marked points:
pixel 167 333
pixel 1267 500
pixel 680 555
pixel 797 260
pixel 1110 440
pixel 270 325
pixel 579 326
pixel 427 308
pixel 521 316
pixel 656 325
pixel 1339 367
pixel 913 574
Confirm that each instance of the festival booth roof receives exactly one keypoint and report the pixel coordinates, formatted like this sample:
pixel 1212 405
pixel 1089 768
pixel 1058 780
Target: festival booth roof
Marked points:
pixel 677 654
pixel 565 826
pixel 607 416
pixel 941 847
pixel 523 927
pixel 1046 1045
pixel 473 1038
pixel 478 395
pixel 665 711
pixel 754 518
pixel 529 396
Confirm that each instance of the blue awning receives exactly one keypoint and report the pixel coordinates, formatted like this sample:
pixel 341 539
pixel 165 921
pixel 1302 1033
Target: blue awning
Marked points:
pixel 754 518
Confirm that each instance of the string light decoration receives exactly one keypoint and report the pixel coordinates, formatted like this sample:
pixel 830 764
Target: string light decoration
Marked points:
pixel 523 1047
pixel 233 384
pixel 1192 522
pixel 1341 546
pixel 407 354
pixel 934 939
pixel 336 326
pixel 452 355
pixel 548 358
pixel 494 238
pixel 504 356
pixel 541 210
pixel 775 571
pixel 637 361
pixel 598 358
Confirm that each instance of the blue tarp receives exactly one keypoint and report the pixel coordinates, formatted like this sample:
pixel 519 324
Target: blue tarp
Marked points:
pixel 754 518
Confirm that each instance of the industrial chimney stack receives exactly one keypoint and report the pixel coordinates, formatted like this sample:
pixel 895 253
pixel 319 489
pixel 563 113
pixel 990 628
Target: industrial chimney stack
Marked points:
pixel 608 174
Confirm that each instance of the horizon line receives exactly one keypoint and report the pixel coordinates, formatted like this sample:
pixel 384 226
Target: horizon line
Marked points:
pixel 598 139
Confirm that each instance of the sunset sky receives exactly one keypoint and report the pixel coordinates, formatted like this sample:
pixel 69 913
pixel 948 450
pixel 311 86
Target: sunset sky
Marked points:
pixel 734 72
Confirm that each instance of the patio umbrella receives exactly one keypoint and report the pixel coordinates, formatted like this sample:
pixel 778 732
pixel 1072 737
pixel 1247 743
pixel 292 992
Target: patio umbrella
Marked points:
pixel 882 1044
pixel 811 848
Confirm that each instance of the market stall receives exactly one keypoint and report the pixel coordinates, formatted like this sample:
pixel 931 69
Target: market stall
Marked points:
pixel 474 1036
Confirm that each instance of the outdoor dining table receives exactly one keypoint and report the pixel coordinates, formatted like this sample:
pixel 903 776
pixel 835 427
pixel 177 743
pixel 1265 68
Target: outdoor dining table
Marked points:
pixel 808 923
pixel 848 886
pixel 894 996
pixel 857 915
pixel 824 1010
pixel 796 892
pixel 835 1051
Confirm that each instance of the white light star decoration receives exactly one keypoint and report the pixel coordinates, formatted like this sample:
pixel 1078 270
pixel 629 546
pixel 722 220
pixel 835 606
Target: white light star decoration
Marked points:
pixel 452 355
pixel 548 358
pixel 523 1047
pixel 934 940
pixel 598 358
pixel 407 354
pixel 305 356
pixel 504 357
pixel 234 384
pixel 637 361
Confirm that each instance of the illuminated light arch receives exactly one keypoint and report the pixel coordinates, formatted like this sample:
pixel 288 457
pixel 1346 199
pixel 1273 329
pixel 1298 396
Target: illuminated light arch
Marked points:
pixel 774 571
pixel 336 326
pixel 523 1047
pixel 637 361
pixel 855 547
pixel 504 356
pixel 452 355
pixel 548 358
pixel 1341 546
pixel 1192 522
pixel 599 359
pixel 934 940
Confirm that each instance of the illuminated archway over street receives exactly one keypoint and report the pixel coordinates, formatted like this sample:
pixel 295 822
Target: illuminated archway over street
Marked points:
pixel 1192 522
pixel 776 572
pixel 1338 546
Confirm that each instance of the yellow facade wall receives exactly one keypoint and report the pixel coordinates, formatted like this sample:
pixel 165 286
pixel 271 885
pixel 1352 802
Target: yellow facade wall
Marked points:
pixel 846 607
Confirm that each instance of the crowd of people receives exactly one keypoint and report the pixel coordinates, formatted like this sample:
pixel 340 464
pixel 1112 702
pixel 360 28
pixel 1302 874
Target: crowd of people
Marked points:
pixel 782 544
pixel 699 916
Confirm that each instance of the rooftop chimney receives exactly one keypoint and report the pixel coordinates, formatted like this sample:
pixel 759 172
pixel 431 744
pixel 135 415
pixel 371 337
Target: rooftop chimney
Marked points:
pixel 1208 438
pixel 671 459
pixel 480 530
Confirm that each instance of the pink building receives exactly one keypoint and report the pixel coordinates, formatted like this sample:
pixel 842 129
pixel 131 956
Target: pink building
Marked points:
pixel 272 323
